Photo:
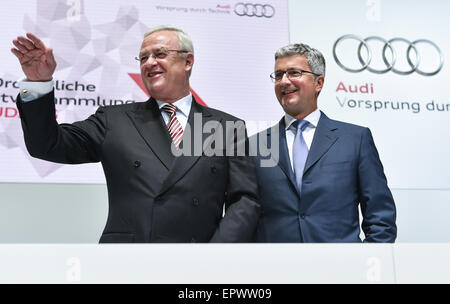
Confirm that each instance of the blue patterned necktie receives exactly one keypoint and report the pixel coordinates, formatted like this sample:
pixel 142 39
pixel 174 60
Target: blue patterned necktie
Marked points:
pixel 299 151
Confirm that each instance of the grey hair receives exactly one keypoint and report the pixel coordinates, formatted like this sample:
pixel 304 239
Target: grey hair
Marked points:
pixel 314 57
pixel 185 43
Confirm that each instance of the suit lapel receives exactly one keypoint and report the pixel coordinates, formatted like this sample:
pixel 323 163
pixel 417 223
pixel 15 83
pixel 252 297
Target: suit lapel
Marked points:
pixel 285 163
pixel 324 137
pixel 283 160
pixel 182 164
pixel 150 125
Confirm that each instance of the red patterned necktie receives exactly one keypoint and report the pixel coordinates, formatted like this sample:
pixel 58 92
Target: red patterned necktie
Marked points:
pixel 174 126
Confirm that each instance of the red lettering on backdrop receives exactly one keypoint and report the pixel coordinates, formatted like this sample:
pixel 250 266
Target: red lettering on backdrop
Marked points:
pixel 365 89
pixel 341 86
pixel 355 90
pixel 8 112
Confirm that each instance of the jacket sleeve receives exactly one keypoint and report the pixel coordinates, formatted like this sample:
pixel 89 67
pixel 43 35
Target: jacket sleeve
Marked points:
pixel 242 209
pixel 75 143
pixel 377 204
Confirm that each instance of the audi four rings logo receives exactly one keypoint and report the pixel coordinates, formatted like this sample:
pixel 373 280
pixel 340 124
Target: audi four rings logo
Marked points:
pixel 414 63
pixel 254 10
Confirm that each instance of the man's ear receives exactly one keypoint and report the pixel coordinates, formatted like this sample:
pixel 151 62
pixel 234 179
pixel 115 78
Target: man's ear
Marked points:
pixel 319 83
pixel 189 61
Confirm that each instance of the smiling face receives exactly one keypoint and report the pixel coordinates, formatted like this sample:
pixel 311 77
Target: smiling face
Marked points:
pixel 298 97
pixel 166 79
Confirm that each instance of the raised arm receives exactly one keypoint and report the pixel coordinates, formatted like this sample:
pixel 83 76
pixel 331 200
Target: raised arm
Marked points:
pixel 36 59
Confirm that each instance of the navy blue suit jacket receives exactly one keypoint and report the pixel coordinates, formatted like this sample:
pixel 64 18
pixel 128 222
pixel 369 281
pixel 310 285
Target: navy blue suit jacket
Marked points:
pixel 342 171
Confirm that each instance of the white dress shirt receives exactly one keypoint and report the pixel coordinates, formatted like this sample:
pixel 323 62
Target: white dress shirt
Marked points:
pixel 308 133
pixel 31 90
pixel 183 108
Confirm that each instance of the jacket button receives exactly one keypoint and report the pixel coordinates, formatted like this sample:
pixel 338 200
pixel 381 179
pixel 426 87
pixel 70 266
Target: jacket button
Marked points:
pixel 302 215
pixel 213 169
pixel 137 164
pixel 159 199
pixel 195 201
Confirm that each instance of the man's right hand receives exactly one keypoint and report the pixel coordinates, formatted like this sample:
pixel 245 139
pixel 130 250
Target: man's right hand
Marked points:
pixel 36 59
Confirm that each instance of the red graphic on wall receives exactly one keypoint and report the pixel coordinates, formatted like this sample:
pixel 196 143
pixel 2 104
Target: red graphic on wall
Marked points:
pixel 137 78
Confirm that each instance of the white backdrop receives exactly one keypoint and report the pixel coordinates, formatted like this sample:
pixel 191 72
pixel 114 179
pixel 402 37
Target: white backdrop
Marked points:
pixel 412 138
pixel 95 43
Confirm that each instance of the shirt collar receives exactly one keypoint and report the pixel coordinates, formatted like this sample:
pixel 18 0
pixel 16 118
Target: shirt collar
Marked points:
pixel 183 105
pixel 312 118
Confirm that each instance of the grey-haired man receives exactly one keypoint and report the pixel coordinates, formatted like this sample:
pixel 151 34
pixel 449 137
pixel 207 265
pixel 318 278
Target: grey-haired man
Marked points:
pixel 325 168
pixel 154 196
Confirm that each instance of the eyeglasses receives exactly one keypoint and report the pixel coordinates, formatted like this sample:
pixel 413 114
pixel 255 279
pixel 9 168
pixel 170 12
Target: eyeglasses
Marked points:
pixel 290 74
pixel 160 53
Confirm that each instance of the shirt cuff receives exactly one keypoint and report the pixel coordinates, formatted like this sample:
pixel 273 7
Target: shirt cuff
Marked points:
pixel 31 90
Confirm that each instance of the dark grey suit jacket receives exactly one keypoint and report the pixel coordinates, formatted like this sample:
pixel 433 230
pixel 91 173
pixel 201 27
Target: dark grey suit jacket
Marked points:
pixel 153 195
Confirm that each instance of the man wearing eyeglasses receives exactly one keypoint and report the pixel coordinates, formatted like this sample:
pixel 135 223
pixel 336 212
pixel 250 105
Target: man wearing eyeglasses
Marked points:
pixel 325 168
pixel 155 195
